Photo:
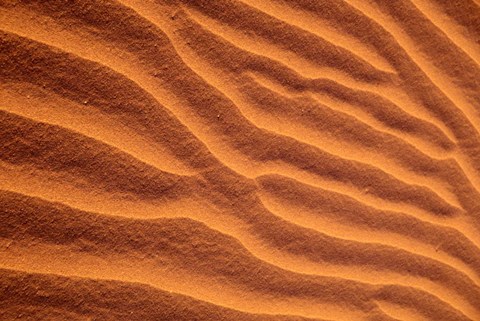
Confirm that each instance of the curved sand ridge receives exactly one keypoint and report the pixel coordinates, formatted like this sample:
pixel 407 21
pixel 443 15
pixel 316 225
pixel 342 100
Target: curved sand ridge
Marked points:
pixel 240 160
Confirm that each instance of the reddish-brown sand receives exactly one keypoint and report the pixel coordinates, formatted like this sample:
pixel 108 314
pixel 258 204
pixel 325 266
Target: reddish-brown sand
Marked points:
pixel 240 160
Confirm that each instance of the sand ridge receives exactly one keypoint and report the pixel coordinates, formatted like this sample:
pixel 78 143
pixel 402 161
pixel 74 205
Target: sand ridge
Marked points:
pixel 240 160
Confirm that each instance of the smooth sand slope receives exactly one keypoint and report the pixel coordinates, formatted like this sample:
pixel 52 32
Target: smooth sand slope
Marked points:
pixel 240 160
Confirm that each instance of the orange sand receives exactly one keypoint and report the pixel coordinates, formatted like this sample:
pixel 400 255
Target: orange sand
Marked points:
pixel 240 160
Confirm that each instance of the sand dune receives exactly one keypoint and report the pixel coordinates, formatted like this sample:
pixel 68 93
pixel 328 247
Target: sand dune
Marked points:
pixel 240 160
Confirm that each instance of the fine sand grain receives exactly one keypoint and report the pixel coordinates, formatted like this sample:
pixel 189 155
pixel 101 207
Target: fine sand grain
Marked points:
pixel 240 160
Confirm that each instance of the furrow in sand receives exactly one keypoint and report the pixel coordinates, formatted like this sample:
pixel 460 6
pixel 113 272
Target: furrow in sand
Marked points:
pixel 26 300
pixel 461 226
pixel 164 269
pixel 46 147
pixel 231 36
pixel 435 76
pixel 57 188
pixel 251 243
pixel 140 245
pixel 329 202
pixel 427 304
pixel 422 93
pixel 247 239
pixel 439 48
pixel 253 109
pixel 221 113
pixel 252 112
pixel 445 99
pixel 144 115
pixel 468 23
pixel 217 154
pixel 322 30
pixel 196 157
pixel 271 254
pixel 267 29
pixel 121 140
pixel 368 109
pixel 308 121
pixel 287 264
pixel 400 313
pixel 449 27
pixel 415 250
pixel 457 69
pixel 264 49
pixel 302 82
pixel 145 82
pixel 311 123
pixel 324 217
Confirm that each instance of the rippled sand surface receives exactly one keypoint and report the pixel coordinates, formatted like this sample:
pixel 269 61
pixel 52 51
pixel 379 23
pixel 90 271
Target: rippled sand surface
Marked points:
pixel 240 160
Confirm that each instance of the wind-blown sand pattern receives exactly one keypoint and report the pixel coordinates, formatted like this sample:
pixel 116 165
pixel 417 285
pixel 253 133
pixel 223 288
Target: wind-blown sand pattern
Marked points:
pixel 240 160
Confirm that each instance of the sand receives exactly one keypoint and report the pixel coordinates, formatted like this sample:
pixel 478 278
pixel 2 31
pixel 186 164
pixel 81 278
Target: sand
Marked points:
pixel 240 160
